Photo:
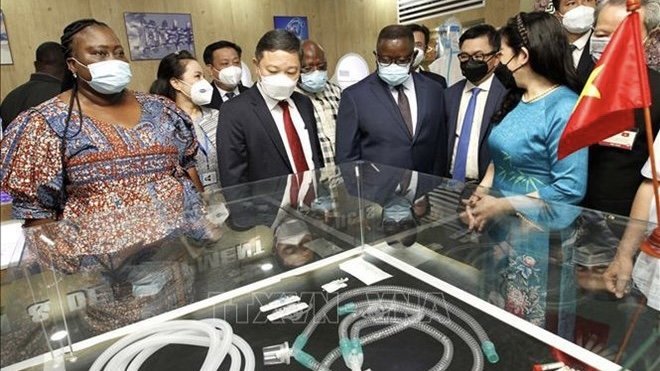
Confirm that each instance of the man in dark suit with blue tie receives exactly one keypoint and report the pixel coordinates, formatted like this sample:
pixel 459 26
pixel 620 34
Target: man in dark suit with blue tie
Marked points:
pixel 393 116
pixel 470 103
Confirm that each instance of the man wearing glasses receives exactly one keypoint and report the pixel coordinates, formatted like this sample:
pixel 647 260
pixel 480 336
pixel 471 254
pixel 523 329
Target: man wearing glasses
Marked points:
pixel 394 116
pixel 470 103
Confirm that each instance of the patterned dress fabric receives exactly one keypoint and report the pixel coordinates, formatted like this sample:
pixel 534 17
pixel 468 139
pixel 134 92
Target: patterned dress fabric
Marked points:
pixel 524 151
pixel 117 187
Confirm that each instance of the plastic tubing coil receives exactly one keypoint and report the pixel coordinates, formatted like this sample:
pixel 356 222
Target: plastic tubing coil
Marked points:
pixel 131 351
pixel 471 322
pixel 367 307
pixel 398 325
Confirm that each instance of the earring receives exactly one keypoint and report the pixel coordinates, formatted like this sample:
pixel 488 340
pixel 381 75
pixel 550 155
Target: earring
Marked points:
pixel 75 75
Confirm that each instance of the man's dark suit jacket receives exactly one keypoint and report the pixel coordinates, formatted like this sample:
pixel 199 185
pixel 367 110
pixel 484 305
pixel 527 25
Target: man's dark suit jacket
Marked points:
pixel 586 64
pixel 614 173
pixel 40 88
pixel 249 145
pixel 370 126
pixel 452 103
pixel 435 77
pixel 216 99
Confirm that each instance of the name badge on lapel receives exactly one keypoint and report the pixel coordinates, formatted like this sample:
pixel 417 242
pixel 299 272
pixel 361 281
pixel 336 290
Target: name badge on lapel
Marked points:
pixel 209 178
pixel 623 140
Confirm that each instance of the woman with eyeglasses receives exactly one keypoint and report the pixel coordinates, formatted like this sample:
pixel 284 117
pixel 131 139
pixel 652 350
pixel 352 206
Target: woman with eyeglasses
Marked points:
pixel 181 79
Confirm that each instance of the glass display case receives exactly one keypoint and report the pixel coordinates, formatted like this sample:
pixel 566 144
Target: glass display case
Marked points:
pixel 410 286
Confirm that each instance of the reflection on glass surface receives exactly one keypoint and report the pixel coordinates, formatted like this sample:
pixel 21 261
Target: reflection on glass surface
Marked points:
pixel 544 264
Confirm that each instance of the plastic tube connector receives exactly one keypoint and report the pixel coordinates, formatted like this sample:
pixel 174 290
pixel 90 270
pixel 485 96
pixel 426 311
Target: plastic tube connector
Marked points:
pixel 299 343
pixel 489 351
pixel 277 354
pixel 345 309
pixel 305 359
pixel 352 353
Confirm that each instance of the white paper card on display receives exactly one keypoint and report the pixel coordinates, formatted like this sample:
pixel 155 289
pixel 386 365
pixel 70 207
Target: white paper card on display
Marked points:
pixel 12 241
pixel 364 271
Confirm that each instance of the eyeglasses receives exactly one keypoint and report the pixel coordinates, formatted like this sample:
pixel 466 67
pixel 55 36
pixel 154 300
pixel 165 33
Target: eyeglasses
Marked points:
pixel 320 67
pixel 477 57
pixel 385 61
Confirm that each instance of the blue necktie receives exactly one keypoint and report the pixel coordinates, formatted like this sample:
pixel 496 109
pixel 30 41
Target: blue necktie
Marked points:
pixel 460 160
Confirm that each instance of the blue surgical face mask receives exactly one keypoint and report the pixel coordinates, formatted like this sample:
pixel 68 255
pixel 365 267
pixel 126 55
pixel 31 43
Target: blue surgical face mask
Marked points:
pixel 596 46
pixel 314 82
pixel 393 74
pixel 109 77
pixel 397 210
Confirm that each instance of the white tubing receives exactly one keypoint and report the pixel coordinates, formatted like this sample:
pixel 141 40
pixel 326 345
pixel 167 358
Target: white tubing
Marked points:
pixel 130 352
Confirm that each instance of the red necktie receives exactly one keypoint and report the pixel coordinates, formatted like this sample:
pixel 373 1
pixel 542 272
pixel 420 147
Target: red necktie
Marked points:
pixel 293 139
pixel 294 190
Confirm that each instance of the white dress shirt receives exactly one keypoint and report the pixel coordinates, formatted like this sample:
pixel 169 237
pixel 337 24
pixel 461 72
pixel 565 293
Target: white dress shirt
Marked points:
pixel 409 89
pixel 579 47
pixel 472 163
pixel 223 93
pixel 298 123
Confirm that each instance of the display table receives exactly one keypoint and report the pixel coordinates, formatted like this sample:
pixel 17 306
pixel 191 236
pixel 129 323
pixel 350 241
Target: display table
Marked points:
pixel 537 293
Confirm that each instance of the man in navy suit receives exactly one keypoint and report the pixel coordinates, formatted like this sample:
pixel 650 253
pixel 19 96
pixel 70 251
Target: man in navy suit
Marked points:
pixel 393 116
pixel 470 103
pixel 269 130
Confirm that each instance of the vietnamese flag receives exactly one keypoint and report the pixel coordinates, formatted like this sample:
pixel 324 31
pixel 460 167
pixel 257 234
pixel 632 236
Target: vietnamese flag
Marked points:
pixel 618 84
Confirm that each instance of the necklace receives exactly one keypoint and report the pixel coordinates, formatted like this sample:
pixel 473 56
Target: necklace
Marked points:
pixel 540 95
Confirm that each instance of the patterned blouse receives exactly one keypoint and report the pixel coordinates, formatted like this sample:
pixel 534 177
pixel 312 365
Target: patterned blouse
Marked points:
pixel 115 176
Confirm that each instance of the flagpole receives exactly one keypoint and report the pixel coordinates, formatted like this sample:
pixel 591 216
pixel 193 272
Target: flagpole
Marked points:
pixel 651 245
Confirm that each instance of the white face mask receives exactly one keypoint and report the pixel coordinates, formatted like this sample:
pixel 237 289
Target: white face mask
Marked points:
pixel 291 232
pixel 596 46
pixel 201 92
pixel 278 87
pixel 230 76
pixel 108 77
pixel 579 19
pixel 418 58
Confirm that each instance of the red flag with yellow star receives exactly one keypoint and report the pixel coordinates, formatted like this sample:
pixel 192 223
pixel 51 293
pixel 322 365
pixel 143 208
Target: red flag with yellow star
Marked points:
pixel 618 84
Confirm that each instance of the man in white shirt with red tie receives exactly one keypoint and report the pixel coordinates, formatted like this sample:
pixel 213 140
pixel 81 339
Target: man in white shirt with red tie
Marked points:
pixel 269 130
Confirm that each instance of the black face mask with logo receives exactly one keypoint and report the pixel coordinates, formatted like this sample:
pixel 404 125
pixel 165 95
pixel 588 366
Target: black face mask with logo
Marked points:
pixel 474 71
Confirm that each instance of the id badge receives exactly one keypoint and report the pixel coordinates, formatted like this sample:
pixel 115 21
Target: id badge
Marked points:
pixel 209 178
pixel 623 140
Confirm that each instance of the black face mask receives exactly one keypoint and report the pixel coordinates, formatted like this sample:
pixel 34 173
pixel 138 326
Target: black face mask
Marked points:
pixel 474 71
pixel 505 75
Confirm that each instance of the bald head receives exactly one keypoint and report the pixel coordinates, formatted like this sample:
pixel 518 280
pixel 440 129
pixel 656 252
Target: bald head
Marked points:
pixel 313 57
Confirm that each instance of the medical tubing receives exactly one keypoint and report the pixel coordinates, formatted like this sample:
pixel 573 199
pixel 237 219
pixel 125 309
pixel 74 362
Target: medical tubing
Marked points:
pixel 145 353
pixel 445 321
pixel 410 322
pixel 226 334
pixel 246 350
pixel 179 325
pixel 239 345
pixel 132 350
pixel 322 313
pixel 122 360
pixel 443 364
